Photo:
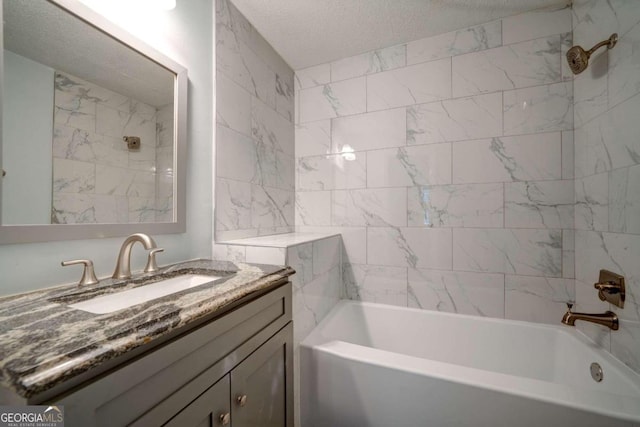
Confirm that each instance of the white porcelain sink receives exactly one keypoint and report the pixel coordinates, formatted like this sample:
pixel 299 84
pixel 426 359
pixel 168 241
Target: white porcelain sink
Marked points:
pixel 119 300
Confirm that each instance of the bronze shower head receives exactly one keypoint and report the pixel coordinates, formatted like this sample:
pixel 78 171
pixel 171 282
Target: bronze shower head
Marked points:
pixel 578 58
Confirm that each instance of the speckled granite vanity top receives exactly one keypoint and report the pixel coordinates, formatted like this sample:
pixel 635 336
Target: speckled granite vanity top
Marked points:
pixel 43 342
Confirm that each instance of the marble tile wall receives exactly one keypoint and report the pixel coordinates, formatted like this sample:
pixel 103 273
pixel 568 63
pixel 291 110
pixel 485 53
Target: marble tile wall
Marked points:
pixel 96 179
pixel 607 168
pixel 447 165
pixel 254 132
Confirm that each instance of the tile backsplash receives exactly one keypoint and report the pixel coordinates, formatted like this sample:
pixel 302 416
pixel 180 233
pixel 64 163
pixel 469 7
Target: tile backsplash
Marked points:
pixel 447 165
pixel 96 179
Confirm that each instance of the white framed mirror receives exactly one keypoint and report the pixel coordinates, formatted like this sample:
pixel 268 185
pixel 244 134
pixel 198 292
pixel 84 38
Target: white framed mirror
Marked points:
pixel 93 128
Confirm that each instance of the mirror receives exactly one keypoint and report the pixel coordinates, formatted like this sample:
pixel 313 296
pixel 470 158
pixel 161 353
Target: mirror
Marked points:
pixel 93 128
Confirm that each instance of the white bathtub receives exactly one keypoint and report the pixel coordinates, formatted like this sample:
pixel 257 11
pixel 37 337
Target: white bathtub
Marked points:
pixel 377 365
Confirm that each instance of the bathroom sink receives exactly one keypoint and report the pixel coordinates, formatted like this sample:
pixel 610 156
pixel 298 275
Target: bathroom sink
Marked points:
pixel 119 300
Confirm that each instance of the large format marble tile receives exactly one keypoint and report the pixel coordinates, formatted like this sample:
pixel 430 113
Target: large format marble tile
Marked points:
pixel 538 109
pixel 237 156
pixel 313 138
pixel 625 344
pixel 465 205
pixel 369 63
pixel 70 176
pixel 409 247
pixel 285 96
pixel 124 182
pixel 265 255
pixel 568 155
pixel 300 258
pixel 513 251
pixel 568 254
pixel 624 200
pixel 233 253
pixel 408 166
pixel 624 67
pixel 333 100
pixel 531 63
pixel 233 204
pixel 233 105
pixel 271 207
pixel 590 90
pixel 615 252
pixel 326 254
pixel 142 209
pixel 77 116
pixel 590 17
pixel 313 208
pixel 164 126
pixel 537 299
pixel 75 94
pixel 354 241
pixel 609 141
pixel 455 120
pixel 312 303
pixel 370 207
pixel 369 131
pixel 415 84
pixel 332 172
pixel 77 144
pixel 506 159
pixel 238 61
pixel 592 203
pixel 454 43
pixel 478 294
pixel 271 129
pixel 542 204
pixel 536 24
pixel 375 283
pixel 312 76
pixel 566 44
pixel 285 173
pixel 116 123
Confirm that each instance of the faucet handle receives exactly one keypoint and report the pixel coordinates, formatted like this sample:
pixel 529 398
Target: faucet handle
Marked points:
pixel 611 288
pixel 151 261
pixel 88 274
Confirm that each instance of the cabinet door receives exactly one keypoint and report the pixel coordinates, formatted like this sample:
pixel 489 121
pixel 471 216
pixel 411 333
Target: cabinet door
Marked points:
pixel 262 385
pixel 210 409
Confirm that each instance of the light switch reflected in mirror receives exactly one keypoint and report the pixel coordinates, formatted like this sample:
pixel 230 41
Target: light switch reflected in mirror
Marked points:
pixel 93 125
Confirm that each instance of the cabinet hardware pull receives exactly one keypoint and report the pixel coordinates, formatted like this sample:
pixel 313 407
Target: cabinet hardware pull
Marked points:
pixel 241 400
pixel 225 419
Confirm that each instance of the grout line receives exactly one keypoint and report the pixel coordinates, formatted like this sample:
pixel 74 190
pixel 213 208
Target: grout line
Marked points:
pixel 504 205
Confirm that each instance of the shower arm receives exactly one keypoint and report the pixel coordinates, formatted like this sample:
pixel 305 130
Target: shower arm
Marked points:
pixel 610 42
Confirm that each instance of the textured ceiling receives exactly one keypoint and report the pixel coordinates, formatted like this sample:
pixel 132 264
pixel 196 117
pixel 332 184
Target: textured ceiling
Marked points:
pixel 311 32
pixel 47 34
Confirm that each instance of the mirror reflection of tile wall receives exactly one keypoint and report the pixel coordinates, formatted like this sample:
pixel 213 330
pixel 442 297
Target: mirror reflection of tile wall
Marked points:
pixel 96 178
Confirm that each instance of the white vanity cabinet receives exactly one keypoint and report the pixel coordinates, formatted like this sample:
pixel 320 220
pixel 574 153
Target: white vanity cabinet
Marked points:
pixel 235 369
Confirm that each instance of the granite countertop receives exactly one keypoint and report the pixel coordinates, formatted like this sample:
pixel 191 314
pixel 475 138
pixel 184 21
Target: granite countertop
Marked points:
pixel 43 342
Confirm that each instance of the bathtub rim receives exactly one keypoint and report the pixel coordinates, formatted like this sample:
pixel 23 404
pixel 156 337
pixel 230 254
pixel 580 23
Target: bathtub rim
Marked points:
pixel 619 406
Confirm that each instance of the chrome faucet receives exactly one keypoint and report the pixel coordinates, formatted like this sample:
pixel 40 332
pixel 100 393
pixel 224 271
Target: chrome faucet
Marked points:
pixel 608 318
pixel 123 266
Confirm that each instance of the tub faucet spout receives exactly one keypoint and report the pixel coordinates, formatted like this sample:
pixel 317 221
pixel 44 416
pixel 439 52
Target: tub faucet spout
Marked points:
pixel 608 318
pixel 123 266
